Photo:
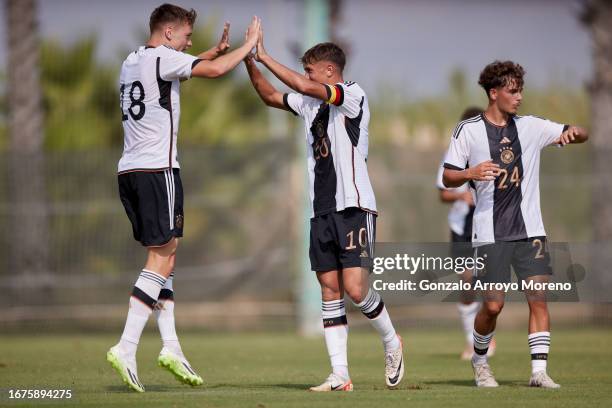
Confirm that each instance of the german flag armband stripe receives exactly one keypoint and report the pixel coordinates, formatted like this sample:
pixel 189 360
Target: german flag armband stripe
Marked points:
pixel 335 94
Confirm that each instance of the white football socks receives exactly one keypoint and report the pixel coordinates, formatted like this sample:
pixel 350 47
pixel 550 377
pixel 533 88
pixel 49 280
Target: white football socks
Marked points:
pixel 539 346
pixel 143 300
pixel 481 346
pixel 468 315
pixel 374 309
pixel 164 312
pixel 335 328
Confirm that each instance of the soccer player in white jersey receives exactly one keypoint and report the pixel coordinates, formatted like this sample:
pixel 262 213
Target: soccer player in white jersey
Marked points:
pixel 499 152
pixel 149 181
pixel 460 225
pixel 342 224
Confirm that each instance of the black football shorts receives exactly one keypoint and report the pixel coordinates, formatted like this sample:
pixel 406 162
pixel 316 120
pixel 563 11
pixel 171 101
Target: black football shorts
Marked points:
pixel 153 202
pixel 342 239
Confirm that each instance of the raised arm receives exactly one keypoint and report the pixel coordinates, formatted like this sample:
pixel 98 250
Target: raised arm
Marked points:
pixel 289 77
pixel 219 49
pixel 264 88
pixel 225 63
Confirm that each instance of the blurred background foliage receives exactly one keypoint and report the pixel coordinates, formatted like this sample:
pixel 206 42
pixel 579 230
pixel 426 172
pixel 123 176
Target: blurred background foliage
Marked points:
pixel 427 123
pixel 80 99
pixel 80 96
pixel 244 179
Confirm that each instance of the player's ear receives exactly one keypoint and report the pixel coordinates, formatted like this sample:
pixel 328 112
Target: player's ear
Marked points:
pixel 329 71
pixel 493 94
pixel 168 32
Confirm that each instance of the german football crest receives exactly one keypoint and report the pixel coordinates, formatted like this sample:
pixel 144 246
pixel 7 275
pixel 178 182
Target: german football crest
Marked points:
pixel 178 221
pixel 507 155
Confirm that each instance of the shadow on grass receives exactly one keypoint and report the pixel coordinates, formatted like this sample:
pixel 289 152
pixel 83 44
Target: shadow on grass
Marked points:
pixel 306 387
pixel 425 385
pixel 288 386
pixel 470 383
pixel 460 383
pixel 149 387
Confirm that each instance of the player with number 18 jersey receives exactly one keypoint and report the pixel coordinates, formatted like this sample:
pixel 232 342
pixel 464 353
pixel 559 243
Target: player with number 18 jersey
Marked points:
pixel 149 90
pixel 150 187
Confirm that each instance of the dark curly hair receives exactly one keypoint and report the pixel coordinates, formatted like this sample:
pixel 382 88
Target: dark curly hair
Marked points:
pixel 169 13
pixel 470 112
pixel 326 51
pixel 499 74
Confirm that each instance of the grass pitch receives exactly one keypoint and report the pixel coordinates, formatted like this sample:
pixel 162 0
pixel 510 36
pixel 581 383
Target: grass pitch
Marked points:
pixel 275 370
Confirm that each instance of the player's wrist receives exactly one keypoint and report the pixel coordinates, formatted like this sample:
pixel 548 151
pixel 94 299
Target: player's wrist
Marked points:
pixel 467 174
pixel 250 63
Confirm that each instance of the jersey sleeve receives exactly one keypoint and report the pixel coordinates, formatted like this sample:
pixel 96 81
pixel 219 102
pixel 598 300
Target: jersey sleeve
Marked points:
pixel 294 102
pixel 176 65
pixel 549 131
pixel 457 154
pixel 348 96
pixel 439 182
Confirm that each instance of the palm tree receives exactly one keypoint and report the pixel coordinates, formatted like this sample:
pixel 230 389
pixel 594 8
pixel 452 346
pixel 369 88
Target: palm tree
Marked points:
pixel 28 227
pixel 597 16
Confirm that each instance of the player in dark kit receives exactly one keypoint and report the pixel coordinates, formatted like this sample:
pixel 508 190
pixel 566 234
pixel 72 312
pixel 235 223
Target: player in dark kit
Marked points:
pixel 342 224
pixel 499 152
pixel 148 174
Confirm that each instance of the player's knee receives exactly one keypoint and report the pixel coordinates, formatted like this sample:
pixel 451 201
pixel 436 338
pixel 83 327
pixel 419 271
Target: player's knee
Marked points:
pixel 330 293
pixel 167 250
pixel 356 294
pixel 161 259
pixel 171 246
pixel 536 299
pixel 538 304
pixel 493 308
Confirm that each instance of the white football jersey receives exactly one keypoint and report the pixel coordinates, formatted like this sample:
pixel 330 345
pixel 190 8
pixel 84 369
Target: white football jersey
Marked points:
pixel 460 210
pixel 337 145
pixel 508 208
pixel 150 107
